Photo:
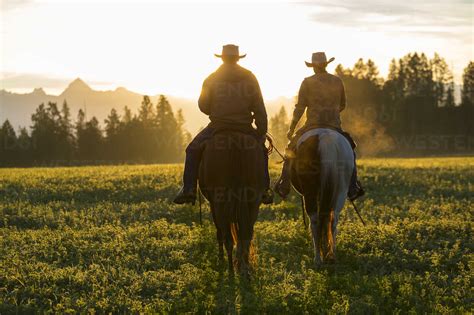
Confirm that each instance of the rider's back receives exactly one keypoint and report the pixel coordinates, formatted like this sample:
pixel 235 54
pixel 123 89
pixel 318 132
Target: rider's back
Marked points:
pixel 324 96
pixel 232 98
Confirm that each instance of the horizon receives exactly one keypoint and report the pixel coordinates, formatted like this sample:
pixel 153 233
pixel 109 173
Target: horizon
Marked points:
pixel 161 49
pixel 58 92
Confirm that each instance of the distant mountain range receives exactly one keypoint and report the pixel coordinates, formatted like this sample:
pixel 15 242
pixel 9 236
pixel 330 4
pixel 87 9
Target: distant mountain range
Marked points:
pixel 18 108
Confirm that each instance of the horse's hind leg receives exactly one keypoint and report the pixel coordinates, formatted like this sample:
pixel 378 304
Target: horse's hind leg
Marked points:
pixel 219 236
pixel 312 210
pixel 313 217
pixel 230 260
pixel 243 254
pixel 220 241
pixel 229 246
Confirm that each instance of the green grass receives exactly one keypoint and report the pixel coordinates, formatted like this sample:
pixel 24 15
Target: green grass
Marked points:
pixel 107 239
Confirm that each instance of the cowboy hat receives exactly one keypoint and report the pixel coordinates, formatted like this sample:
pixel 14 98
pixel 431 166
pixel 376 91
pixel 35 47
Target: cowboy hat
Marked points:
pixel 319 59
pixel 230 50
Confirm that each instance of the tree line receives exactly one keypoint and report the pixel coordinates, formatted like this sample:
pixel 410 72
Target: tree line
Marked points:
pixel 154 135
pixel 411 112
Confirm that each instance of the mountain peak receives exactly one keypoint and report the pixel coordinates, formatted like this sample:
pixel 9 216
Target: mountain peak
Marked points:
pixel 78 85
pixel 38 91
pixel 121 89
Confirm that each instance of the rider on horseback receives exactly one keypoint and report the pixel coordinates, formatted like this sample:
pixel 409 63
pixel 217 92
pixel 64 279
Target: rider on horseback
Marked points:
pixel 323 97
pixel 232 99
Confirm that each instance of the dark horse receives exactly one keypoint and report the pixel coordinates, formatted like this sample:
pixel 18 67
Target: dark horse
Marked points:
pixel 321 173
pixel 231 178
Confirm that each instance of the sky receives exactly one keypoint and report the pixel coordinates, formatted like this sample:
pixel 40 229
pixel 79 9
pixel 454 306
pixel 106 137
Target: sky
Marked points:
pixel 156 47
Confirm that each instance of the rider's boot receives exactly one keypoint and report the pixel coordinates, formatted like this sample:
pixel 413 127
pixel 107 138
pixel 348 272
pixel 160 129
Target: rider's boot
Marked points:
pixel 355 187
pixel 283 185
pixel 267 197
pixel 185 196
pixel 355 190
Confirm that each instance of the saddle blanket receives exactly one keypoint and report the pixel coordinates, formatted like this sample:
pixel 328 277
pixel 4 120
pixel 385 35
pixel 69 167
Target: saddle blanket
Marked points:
pixel 318 132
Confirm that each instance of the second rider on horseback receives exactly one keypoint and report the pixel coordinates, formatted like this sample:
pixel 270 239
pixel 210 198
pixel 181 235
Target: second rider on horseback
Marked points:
pixel 323 97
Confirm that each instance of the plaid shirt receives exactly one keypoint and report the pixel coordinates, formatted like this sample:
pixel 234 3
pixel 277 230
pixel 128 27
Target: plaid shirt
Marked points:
pixel 323 97
pixel 231 97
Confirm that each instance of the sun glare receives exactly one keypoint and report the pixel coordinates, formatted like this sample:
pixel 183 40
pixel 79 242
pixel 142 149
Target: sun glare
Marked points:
pixel 156 47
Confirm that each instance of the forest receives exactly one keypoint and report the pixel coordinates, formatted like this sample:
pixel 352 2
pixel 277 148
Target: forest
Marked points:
pixel 412 112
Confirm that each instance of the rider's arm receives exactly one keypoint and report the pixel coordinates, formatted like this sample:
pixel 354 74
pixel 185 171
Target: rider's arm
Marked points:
pixel 204 101
pixel 343 98
pixel 258 109
pixel 299 107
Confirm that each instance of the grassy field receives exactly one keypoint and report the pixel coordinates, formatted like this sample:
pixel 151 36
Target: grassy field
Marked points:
pixel 107 239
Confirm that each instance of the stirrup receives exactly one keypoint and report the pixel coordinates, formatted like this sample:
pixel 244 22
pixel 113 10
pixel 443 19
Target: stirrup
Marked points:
pixel 282 191
pixel 357 192
pixel 185 197
pixel 267 197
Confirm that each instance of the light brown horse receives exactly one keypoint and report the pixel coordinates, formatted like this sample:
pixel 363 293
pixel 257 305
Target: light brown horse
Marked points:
pixel 231 178
pixel 321 173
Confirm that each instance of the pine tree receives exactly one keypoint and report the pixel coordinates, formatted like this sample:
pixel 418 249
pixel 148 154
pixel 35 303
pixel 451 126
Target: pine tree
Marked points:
pixel 127 115
pixel 467 94
pixel 359 71
pixel 166 134
pixel 46 134
pixel 341 72
pixel 112 124
pixel 442 81
pixel 80 122
pixel 146 113
pixel 66 141
pixel 184 135
pixel 372 73
pixel 24 148
pixel 449 100
pixel 8 144
pixel 89 139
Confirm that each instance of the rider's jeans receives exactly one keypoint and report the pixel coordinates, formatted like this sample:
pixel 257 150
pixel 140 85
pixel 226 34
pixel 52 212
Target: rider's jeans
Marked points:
pixel 193 159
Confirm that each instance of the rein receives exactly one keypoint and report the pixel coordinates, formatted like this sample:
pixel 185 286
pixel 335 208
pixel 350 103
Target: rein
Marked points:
pixel 271 147
pixel 200 205
pixel 358 213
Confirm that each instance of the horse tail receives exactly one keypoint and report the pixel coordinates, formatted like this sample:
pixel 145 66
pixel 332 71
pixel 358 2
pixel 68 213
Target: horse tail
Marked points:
pixel 245 232
pixel 327 198
pixel 241 223
pixel 234 232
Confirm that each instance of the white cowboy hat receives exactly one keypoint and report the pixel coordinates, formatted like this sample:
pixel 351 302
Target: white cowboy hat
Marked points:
pixel 230 50
pixel 319 58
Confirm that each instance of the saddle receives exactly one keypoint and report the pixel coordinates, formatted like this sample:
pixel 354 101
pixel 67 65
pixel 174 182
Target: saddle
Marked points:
pixel 312 131
pixel 248 130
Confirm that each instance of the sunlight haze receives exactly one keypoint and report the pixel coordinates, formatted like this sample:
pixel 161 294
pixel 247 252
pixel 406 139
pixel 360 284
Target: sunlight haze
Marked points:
pixel 152 47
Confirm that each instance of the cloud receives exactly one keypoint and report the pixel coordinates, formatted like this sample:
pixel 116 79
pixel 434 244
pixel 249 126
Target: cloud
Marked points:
pixel 437 18
pixel 13 4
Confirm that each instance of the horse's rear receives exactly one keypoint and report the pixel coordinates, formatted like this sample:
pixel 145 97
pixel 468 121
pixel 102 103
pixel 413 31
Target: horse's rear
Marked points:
pixel 231 178
pixel 322 173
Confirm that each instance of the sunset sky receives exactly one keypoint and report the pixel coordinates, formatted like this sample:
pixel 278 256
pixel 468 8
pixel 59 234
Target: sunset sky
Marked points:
pixel 154 47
